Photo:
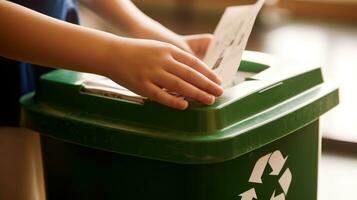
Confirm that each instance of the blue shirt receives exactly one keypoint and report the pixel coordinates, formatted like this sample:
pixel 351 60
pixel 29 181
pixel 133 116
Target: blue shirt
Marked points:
pixel 19 78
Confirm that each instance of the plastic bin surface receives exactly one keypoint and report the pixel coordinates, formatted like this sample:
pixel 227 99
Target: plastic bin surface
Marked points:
pixel 265 126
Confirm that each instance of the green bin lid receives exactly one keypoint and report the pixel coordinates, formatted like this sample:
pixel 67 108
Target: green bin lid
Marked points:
pixel 271 100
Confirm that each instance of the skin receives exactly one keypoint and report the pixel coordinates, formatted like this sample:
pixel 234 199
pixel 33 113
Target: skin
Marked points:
pixel 159 59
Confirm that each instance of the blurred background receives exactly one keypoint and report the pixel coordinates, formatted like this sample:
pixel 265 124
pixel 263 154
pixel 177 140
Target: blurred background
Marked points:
pixel 314 32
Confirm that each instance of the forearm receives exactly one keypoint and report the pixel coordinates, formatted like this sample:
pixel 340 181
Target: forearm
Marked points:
pixel 39 39
pixel 124 14
pixel 35 38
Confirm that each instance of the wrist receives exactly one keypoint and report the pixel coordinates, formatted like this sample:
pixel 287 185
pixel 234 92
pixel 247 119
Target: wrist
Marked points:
pixel 116 56
pixel 109 61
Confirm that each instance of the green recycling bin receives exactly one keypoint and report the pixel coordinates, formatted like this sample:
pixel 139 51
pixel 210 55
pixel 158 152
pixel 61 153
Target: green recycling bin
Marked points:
pixel 259 140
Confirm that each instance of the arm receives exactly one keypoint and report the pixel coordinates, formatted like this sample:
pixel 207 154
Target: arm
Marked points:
pixel 42 40
pixel 124 14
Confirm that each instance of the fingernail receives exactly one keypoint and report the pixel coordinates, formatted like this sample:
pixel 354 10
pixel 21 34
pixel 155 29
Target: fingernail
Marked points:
pixel 210 99
pixel 219 91
pixel 183 104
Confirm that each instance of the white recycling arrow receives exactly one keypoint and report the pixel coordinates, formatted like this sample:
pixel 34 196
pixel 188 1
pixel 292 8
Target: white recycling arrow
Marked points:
pixel 249 195
pixel 258 170
pixel 278 197
pixel 285 180
pixel 276 162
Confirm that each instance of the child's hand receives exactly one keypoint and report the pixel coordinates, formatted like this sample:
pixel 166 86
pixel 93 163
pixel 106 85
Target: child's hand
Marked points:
pixel 198 43
pixel 147 66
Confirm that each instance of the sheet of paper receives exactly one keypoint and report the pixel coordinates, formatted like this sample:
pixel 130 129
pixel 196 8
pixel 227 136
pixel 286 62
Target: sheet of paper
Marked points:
pixel 103 86
pixel 230 39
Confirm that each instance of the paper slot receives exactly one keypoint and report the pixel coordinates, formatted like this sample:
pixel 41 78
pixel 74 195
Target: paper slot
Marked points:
pixel 106 87
pixel 103 86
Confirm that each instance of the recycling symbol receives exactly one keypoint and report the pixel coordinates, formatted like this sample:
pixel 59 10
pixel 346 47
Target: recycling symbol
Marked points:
pixel 276 162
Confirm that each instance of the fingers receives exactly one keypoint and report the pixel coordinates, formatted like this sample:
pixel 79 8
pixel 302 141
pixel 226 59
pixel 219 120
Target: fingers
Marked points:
pixel 193 77
pixel 203 36
pixel 199 43
pixel 175 84
pixel 196 64
pixel 157 94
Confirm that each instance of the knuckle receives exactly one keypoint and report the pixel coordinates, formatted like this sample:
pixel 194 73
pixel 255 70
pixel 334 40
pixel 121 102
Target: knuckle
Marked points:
pixel 177 84
pixel 212 76
pixel 189 74
pixel 209 86
pixel 166 52
pixel 154 94
pixel 198 95
pixel 141 78
pixel 167 46
pixel 195 62
pixel 169 62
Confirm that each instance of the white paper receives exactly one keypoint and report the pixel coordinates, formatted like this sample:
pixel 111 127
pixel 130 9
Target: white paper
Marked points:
pixel 103 86
pixel 230 39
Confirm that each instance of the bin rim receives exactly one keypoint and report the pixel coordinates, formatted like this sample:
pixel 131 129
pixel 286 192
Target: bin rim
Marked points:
pixel 178 146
